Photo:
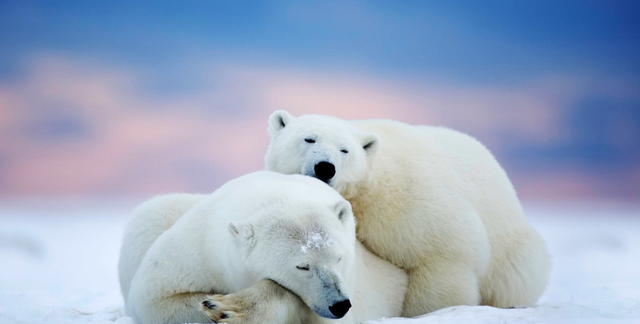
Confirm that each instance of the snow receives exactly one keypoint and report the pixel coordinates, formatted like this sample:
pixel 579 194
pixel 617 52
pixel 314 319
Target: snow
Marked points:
pixel 316 241
pixel 58 265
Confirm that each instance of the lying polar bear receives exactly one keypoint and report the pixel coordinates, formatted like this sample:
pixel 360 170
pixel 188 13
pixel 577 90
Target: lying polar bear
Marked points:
pixel 430 200
pixel 282 247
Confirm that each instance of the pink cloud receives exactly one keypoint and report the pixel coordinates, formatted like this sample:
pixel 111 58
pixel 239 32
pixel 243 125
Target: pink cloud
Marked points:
pixel 145 144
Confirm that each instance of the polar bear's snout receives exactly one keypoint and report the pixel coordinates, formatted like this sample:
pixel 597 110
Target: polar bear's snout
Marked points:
pixel 332 303
pixel 324 171
pixel 322 164
pixel 335 309
pixel 340 308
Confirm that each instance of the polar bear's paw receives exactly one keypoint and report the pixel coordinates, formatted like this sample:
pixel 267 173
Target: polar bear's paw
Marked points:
pixel 230 309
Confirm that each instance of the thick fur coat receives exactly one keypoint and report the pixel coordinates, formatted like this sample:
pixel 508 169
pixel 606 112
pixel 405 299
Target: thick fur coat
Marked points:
pixel 272 248
pixel 432 201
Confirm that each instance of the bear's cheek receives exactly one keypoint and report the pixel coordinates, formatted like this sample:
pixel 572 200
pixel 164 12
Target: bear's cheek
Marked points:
pixel 357 167
pixel 346 170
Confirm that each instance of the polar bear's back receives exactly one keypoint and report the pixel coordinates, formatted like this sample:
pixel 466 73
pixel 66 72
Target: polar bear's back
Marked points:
pixel 147 223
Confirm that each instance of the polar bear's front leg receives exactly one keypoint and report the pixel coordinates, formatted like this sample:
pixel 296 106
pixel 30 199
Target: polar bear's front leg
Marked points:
pixel 227 308
pixel 264 302
pixel 440 283
pixel 177 308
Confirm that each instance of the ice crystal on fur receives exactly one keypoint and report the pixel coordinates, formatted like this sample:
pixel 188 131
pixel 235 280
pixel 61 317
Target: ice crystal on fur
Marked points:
pixel 316 241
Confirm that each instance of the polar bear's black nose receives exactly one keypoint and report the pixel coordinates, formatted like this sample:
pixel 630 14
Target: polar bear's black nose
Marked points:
pixel 340 308
pixel 325 171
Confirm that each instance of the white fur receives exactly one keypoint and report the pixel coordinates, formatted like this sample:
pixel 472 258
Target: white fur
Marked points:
pixel 178 249
pixel 430 200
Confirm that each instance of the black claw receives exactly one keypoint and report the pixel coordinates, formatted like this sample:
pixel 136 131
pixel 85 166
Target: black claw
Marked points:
pixel 208 304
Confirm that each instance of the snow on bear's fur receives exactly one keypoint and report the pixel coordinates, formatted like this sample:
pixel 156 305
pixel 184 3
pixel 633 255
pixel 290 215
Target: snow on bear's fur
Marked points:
pixel 430 200
pixel 249 239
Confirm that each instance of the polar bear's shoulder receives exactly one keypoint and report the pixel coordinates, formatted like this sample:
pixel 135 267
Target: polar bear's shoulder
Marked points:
pixel 387 127
pixel 435 138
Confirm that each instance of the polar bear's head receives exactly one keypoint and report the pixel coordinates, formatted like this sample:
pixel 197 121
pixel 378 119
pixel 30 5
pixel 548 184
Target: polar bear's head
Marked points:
pixel 322 147
pixel 305 244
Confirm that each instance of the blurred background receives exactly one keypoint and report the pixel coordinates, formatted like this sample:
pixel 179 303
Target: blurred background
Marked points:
pixel 120 99
pixel 106 103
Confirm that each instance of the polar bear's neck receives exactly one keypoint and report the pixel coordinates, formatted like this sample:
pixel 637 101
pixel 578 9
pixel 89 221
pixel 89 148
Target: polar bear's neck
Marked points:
pixel 355 189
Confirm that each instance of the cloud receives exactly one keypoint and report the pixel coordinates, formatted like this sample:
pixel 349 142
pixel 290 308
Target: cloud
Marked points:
pixel 137 141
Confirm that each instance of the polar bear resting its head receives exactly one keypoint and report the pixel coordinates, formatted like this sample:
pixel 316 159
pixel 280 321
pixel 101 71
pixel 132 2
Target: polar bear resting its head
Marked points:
pixel 430 200
pixel 282 248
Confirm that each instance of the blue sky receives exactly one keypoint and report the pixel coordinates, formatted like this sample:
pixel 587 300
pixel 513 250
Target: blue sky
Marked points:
pixel 462 41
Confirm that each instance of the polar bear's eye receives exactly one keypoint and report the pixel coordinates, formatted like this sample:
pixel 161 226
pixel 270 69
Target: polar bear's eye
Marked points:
pixel 304 267
pixel 344 151
pixel 309 140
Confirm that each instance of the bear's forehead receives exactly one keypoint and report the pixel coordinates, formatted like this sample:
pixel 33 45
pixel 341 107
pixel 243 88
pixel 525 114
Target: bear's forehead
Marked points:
pixel 311 233
pixel 294 229
pixel 323 126
pixel 316 241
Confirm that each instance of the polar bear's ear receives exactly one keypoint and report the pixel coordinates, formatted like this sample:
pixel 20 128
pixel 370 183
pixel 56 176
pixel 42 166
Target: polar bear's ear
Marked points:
pixel 279 120
pixel 343 210
pixel 370 143
pixel 241 231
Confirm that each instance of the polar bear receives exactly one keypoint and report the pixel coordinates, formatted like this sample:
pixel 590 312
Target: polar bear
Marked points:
pixel 430 200
pixel 281 247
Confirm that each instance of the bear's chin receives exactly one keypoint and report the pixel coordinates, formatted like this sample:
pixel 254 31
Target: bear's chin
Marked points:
pixel 330 182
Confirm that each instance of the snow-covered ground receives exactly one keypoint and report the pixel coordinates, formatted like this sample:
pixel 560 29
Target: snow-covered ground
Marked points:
pixel 58 265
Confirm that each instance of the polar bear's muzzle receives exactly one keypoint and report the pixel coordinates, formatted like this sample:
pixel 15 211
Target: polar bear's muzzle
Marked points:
pixel 340 308
pixel 324 171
